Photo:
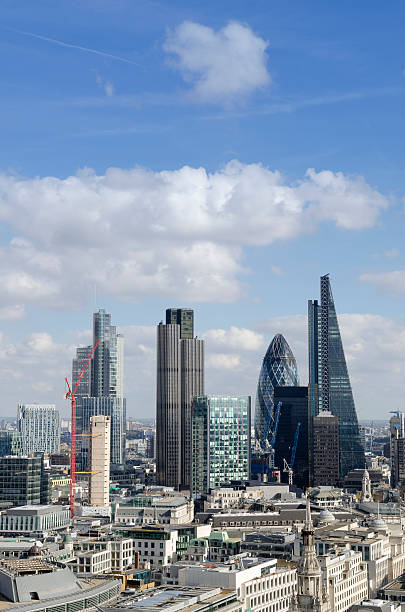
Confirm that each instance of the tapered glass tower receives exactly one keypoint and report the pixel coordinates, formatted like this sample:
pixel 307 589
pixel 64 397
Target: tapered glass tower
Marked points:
pixel 279 369
pixel 329 382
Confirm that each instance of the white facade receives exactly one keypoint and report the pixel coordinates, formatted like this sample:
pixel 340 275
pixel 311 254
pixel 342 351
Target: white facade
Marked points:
pixel 29 519
pixel 171 510
pixel 39 425
pixel 346 578
pixel 261 587
pixel 156 548
pixel 99 481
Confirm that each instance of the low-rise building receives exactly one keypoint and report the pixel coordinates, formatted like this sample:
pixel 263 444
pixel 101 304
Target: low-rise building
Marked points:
pixel 259 584
pixel 175 599
pixel 34 519
pixel 345 574
pixel 155 509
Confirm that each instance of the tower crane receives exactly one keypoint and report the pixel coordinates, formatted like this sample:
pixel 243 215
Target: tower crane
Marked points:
pixel 72 396
pixel 289 468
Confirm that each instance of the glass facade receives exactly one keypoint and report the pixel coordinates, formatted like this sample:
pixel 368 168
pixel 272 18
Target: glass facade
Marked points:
pixel 220 433
pixel 115 408
pixel 293 414
pixel 279 369
pixel 39 426
pixel 10 443
pixel 330 387
pixel 101 388
pixel 23 481
pixel 183 317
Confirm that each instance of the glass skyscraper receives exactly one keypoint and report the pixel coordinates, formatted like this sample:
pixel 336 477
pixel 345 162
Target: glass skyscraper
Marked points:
pixel 220 441
pixel 101 388
pixel 279 369
pixel 329 382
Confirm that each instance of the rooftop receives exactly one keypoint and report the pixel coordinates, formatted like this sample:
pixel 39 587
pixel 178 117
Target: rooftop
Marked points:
pixel 171 599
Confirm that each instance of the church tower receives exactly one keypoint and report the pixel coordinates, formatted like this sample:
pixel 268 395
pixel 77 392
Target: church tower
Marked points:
pixel 311 597
pixel 366 488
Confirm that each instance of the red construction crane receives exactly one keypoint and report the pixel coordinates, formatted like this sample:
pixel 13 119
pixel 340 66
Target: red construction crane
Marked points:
pixel 72 395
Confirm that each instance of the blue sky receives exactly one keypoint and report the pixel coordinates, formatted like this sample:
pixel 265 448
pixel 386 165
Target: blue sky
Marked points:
pixel 152 88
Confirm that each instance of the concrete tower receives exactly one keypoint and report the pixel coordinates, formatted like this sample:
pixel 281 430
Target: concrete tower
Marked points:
pixel 99 481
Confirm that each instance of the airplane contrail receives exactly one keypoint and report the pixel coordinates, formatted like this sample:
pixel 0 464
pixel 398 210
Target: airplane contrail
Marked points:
pixel 61 43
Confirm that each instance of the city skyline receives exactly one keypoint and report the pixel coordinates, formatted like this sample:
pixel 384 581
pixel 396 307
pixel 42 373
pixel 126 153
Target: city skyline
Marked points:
pixel 147 177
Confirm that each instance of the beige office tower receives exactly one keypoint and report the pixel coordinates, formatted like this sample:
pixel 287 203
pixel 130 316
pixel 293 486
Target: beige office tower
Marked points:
pixel 99 481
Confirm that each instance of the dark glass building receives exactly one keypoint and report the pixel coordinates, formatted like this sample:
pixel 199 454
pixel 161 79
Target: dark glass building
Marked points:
pixel 294 411
pixel 329 382
pixel 279 369
pixel 183 317
pixel 23 481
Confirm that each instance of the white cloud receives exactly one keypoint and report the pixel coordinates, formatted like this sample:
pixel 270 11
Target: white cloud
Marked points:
pixel 234 338
pixel 105 85
pixel 176 233
pixel 391 253
pixel 227 64
pixel 12 313
pixel 390 282
pixel 223 362
pixel 277 270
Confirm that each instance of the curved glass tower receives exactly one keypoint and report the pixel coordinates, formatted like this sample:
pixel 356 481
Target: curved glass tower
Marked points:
pixel 279 369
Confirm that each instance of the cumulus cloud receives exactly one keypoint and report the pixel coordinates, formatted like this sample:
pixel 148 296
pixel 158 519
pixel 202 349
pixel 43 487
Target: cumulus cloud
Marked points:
pixel 221 65
pixel 34 368
pixel 176 233
pixel 390 282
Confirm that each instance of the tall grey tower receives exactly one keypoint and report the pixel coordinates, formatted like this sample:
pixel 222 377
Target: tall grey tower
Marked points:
pixel 329 382
pixel 101 389
pixel 180 377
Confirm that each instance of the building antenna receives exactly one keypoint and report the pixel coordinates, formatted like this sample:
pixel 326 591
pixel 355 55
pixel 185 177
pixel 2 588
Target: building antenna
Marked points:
pixel 95 298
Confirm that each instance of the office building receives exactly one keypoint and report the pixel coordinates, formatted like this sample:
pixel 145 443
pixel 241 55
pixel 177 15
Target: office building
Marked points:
pixel 101 389
pixel 220 433
pixel 99 481
pixel 107 368
pixel 23 481
pixel 329 382
pixel 279 369
pixel 115 409
pixel 180 377
pixel 39 426
pixel 397 433
pixel 26 520
pixel 291 443
pixel 325 449
pixel 10 443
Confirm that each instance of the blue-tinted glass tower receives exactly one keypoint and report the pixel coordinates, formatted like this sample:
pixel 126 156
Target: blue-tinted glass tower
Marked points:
pixel 329 382
pixel 279 369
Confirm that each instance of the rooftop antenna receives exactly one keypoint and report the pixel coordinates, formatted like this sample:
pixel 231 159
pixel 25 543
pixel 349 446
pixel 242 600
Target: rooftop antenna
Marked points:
pixel 95 298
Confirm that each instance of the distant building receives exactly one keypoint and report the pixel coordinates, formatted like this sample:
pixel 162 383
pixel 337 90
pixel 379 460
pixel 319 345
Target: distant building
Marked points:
pixel 325 449
pixel 220 435
pixel 293 418
pixel 397 445
pixel 99 481
pixel 39 426
pixel 10 443
pixel 23 481
pixel 180 376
